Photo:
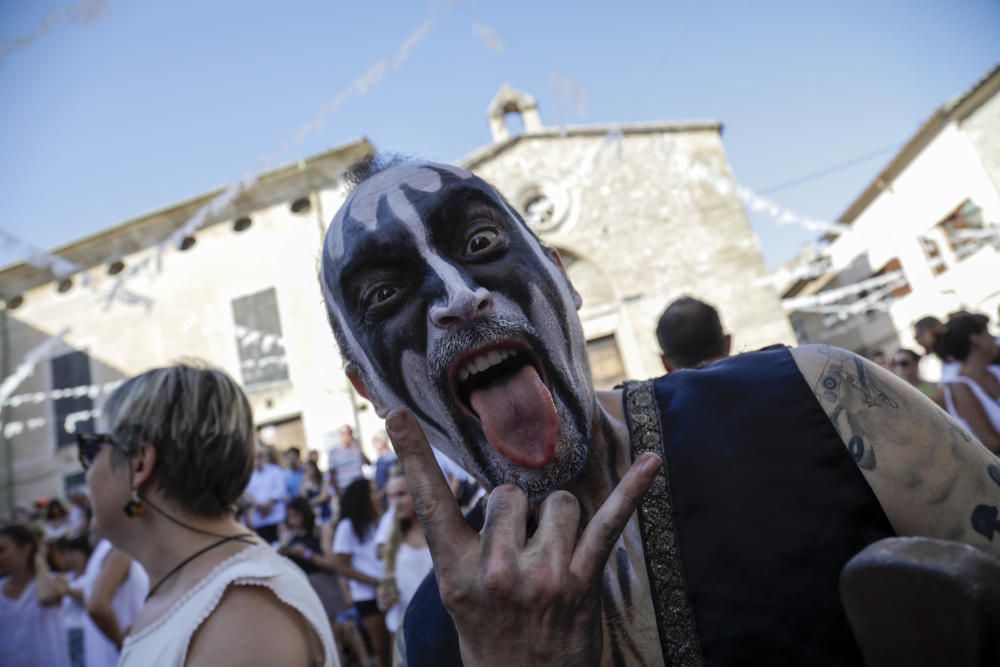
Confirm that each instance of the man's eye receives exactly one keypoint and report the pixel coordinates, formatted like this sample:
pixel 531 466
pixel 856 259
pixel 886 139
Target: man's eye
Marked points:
pixel 380 295
pixel 481 241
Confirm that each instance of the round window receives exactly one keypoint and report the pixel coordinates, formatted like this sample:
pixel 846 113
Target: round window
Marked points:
pixel 544 206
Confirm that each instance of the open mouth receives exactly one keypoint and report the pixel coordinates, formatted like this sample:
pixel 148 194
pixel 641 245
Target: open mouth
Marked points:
pixel 503 386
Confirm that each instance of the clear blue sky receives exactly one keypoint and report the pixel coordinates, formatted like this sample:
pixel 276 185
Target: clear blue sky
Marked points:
pixel 149 103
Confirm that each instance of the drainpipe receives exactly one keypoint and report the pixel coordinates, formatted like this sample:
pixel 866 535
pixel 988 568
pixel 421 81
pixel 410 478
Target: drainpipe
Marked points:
pixel 314 196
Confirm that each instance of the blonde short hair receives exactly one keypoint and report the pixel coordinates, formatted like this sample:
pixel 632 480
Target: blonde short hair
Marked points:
pixel 200 424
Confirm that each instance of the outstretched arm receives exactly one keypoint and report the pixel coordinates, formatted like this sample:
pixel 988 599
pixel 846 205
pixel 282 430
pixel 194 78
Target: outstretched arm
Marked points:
pixel 931 477
pixel 112 575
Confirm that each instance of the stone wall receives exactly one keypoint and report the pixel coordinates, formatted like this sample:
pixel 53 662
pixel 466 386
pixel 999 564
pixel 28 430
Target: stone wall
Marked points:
pixel 646 232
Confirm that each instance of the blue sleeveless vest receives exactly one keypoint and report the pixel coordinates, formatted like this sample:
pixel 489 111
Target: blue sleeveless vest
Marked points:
pixel 757 509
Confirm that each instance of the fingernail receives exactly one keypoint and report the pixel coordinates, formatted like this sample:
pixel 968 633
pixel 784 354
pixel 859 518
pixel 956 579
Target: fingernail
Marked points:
pixel 395 424
pixel 651 463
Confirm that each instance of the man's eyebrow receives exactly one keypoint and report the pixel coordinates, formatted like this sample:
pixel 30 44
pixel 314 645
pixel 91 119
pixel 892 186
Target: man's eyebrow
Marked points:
pixel 372 254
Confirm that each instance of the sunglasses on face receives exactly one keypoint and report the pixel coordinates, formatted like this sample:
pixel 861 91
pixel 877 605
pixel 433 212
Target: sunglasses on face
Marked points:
pixel 902 363
pixel 89 446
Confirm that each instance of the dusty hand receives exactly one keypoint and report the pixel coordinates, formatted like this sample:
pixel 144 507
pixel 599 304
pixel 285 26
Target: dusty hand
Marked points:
pixel 517 600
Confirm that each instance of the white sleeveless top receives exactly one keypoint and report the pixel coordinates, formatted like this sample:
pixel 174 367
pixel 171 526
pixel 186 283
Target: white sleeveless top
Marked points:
pixel 991 406
pixel 166 641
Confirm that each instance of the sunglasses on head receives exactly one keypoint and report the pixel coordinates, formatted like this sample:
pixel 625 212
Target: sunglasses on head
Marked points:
pixel 89 446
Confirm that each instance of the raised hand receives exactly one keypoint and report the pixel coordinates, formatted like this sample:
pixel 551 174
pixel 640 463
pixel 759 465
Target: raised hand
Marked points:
pixel 517 600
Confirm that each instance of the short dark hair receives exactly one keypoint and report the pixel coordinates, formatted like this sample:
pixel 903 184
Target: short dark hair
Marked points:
pixel 690 332
pixel 910 353
pixel 21 535
pixel 372 164
pixel 926 324
pixel 302 506
pixel 201 425
pixel 956 342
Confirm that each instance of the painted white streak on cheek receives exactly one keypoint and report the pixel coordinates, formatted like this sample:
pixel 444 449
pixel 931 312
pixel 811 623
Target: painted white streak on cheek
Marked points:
pixel 420 388
pixel 402 208
pixel 549 327
pixel 376 387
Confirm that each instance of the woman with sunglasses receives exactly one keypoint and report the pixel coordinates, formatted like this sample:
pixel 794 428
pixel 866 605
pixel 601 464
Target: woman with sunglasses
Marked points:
pixel 163 481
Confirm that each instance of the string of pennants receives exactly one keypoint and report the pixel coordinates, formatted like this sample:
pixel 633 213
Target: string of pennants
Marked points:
pixel 694 171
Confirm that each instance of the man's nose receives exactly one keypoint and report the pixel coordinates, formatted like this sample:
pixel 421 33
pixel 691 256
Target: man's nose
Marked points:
pixel 462 307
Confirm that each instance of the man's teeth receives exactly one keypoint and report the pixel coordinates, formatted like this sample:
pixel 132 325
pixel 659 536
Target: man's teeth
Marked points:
pixel 482 362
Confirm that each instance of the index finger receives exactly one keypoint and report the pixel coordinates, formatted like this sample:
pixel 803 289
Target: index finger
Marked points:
pixel 444 526
pixel 608 523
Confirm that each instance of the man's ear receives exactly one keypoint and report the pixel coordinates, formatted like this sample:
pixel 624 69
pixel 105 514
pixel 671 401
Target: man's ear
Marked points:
pixel 359 386
pixel 143 461
pixel 557 258
pixel 667 365
pixel 727 345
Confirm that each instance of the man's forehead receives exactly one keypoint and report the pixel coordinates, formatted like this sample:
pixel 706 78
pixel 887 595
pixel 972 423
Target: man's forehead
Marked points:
pixel 427 177
pixel 390 195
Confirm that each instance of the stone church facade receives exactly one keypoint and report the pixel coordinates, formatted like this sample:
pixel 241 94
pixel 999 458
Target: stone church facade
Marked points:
pixel 635 230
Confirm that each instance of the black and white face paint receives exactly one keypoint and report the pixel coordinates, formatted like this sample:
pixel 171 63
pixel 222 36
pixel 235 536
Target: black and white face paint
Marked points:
pixel 450 307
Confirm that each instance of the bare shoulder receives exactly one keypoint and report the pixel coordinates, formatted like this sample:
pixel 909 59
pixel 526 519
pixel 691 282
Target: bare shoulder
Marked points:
pixel 224 639
pixel 930 476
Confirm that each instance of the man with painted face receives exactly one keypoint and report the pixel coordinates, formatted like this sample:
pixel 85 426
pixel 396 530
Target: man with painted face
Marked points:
pixel 754 479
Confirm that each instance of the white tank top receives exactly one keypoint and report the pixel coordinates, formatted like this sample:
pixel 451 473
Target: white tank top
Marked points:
pixel 165 642
pixel 991 406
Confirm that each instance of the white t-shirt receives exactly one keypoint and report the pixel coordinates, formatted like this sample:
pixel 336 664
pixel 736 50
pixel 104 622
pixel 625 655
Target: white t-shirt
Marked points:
pixel 75 620
pixel 412 565
pixel 30 634
pixel 364 558
pixel 267 484
pixel 126 603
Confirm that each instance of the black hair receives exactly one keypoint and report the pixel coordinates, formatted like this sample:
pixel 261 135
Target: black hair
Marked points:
pixel 910 353
pixel 372 164
pixel 302 506
pixel 79 543
pixel 55 504
pixel 357 507
pixel 690 332
pixel 928 323
pixel 956 341
pixel 20 534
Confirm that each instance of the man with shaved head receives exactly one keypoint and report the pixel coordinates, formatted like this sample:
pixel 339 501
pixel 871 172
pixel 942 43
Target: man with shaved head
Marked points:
pixel 701 518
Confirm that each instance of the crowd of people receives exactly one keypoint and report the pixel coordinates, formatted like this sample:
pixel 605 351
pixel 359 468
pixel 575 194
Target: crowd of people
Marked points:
pixel 193 533
pixel 969 355
pixel 70 596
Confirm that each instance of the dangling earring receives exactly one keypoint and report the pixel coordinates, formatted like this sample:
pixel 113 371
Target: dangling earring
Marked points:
pixel 134 507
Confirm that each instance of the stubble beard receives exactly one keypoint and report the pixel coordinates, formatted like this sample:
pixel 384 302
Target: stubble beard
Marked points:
pixel 573 398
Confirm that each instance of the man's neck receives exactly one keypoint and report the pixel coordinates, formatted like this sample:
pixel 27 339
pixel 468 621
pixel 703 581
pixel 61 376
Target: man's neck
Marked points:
pixel 609 454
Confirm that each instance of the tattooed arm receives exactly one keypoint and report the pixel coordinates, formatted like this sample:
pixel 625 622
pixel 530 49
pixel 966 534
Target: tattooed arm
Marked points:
pixel 931 477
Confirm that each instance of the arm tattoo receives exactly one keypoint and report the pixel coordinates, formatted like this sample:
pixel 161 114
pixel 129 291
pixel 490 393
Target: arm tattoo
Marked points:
pixel 846 382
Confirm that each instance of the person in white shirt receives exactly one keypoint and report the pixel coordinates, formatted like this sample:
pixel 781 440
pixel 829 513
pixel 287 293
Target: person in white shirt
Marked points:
pixel 345 461
pixel 357 561
pixel 266 492
pixel 406 556
pixel 973 398
pixel 31 628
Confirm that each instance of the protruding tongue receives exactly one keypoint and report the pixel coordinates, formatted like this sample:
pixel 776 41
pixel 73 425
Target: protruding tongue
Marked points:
pixel 519 417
